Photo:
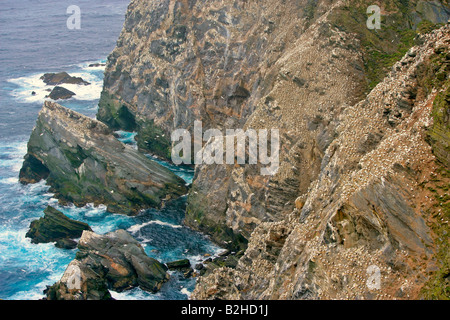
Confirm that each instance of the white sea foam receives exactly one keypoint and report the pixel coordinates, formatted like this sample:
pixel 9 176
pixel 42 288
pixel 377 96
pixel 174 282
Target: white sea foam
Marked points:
pixel 15 153
pixel 186 292
pixel 36 292
pixel 32 258
pixel 28 84
pixel 138 227
pixel 133 294
pixel 12 180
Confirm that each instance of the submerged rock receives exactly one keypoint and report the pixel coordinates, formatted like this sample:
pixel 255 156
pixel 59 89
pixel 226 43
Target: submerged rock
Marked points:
pixel 84 163
pixel 60 93
pixel 55 79
pixel 56 227
pixel 113 261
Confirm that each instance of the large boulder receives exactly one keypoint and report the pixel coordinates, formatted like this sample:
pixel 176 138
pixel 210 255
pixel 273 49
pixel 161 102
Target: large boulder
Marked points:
pixel 178 264
pixel 113 261
pixel 84 163
pixel 56 227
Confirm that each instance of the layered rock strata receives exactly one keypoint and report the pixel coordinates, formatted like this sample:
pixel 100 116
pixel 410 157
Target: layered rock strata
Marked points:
pixel 56 227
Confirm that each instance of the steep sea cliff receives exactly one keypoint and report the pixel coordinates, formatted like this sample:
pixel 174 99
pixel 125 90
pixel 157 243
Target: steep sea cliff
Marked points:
pixel 363 119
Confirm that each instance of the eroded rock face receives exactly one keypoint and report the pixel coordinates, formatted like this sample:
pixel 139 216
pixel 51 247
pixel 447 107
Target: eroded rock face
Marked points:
pixel 56 227
pixel 84 163
pixel 245 64
pixel 114 261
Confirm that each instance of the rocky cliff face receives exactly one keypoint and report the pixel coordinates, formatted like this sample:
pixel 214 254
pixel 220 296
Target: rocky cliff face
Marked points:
pixel 84 163
pixel 374 205
pixel 346 190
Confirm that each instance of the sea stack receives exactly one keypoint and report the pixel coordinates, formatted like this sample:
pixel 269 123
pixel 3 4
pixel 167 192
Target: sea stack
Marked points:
pixel 84 163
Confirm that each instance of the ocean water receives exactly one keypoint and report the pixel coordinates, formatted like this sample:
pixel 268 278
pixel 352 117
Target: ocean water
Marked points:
pixel 34 39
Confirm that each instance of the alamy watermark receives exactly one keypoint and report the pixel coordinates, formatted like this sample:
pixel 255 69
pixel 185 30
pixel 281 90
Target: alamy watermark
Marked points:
pixel 73 273
pixel 213 147
pixel 74 21
pixel 374 21
pixel 374 277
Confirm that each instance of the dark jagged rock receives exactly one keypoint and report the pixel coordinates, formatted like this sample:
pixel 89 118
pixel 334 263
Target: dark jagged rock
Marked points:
pixel 55 79
pixel 56 227
pixel 183 266
pixel 115 261
pixel 179 264
pixel 84 163
pixel 199 266
pixel 60 93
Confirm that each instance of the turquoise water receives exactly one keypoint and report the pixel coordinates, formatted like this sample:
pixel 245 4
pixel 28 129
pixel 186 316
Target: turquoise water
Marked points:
pixel 25 54
pixel 185 172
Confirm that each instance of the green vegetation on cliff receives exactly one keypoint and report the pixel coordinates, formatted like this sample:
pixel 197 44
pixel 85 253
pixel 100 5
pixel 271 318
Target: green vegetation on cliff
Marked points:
pixel 151 138
pixel 434 75
pixel 401 22
pixel 114 114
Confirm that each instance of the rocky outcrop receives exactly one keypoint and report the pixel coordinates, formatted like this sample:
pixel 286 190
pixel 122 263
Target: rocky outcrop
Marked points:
pixel 115 261
pixel 60 93
pixel 55 79
pixel 96 65
pixel 178 264
pixel 84 163
pixel 56 227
